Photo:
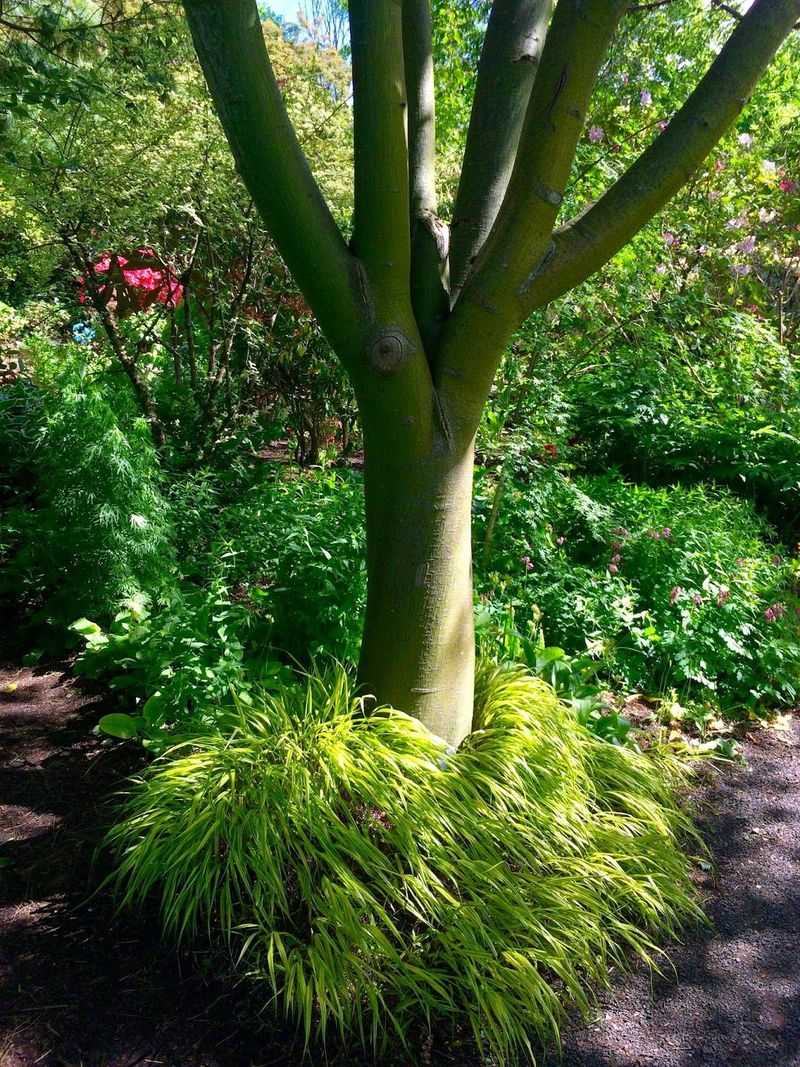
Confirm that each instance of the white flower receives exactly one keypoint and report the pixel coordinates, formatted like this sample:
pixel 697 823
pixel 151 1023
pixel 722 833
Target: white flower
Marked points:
pixel 745 140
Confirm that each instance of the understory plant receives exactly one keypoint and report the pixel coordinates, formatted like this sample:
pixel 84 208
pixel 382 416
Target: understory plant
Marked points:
pixel 662 587
pixel 368 878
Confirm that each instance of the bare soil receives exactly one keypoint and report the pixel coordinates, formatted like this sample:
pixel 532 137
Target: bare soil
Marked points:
pixel 82 986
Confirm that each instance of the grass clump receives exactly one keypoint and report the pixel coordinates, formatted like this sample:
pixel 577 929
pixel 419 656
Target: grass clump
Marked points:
pixel 370 880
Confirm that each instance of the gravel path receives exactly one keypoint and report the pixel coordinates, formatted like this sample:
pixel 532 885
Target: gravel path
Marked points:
pixel 733 998
pixel 81 987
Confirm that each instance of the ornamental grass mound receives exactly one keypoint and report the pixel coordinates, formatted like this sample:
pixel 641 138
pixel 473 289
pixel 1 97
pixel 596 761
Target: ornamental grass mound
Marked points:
pixel 371 881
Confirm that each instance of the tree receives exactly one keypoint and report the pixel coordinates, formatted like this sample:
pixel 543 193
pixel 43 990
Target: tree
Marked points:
pixel 420 323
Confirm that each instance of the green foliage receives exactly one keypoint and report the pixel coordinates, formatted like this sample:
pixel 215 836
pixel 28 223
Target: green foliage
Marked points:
pixel 290 544
pixel 366 879
pixel 662 587
pixel 179 666
pixel 91 528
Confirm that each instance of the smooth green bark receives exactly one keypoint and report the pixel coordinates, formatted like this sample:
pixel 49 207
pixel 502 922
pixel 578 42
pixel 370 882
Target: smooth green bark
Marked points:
pixel 419 646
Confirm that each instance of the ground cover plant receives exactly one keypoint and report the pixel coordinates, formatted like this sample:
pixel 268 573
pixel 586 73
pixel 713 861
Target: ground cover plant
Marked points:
pixel 367 877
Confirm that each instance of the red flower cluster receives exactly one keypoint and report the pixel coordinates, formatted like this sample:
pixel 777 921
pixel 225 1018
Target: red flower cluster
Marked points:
pixel 131 283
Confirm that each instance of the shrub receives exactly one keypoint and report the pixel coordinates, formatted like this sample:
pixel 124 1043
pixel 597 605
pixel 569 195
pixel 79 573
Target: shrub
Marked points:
pixel 91 528
pixel 367 879
pixel 177 668
pixel 664 587
pixel 292 543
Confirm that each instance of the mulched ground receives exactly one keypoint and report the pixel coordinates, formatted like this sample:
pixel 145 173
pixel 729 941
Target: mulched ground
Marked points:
pixel 83 987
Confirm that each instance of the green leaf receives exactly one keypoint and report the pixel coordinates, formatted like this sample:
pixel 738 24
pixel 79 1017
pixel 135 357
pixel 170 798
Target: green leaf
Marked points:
pixel 120 725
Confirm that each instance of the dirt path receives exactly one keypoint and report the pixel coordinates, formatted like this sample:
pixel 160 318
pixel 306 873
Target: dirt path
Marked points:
pixel 81 987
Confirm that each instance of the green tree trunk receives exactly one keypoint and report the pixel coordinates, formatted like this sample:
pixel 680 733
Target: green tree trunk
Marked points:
pixel 418 651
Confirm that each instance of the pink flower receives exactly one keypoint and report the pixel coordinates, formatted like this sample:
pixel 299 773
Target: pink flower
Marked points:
pixel 560 540
pixel 737 223
pixel 613 568
pixel 745 140
pixel 663 125
pixel 616 558
pixel 722 595
pixel 527 563
pixel 645 98
pixel 675 593
pixel 596 134
pixel 720 164
pixel 787 185
pixel 775 612
pixel 670 239
pixel 697 600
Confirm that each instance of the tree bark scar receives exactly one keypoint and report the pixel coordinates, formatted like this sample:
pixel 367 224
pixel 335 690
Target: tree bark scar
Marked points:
pixel 537 270
pixel 444 422
pixel 390 350
pixel 562 81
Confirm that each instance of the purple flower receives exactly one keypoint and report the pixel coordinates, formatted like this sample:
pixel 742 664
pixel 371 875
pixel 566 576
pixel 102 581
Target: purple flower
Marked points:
pixel 663 125
pixel 666 533
pixel 596 134
pixel 645 98
pixel 527 563
pixel 741 270
pixel 697 600
pixel 747 245
pixel 670 239
pixel 745 140
pixel 775 612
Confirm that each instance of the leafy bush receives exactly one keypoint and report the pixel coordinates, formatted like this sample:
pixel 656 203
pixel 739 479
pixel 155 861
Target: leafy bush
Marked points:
pixel 368 879
pixel 91 527
pixel 664 587
pixel 176 669
pixel 290 543
pixel 696 393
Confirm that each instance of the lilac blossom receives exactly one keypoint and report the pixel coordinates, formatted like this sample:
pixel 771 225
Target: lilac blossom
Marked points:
pixel 596 134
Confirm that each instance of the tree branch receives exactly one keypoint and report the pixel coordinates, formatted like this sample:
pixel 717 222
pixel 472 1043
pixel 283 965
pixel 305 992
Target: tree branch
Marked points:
pixel 429 237
pixel 381 229
pixel 230 45
pixel 509 60
pixel 492 303
pixel 593 237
